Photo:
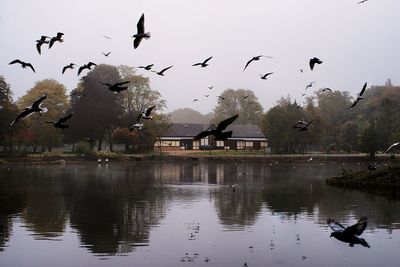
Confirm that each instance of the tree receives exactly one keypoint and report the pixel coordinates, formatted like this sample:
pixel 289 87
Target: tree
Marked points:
pixel 124 136
pixel 242 102
pixel 369 143
pixel 188 115
pixel 45 135
pixel 96 109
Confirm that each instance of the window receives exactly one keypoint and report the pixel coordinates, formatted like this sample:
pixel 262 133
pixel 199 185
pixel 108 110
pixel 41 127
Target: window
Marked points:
pixel 196 144
pixel 263 144
pixel 240 144
pixel 249 144
pixel 204 141
pixel 220 144
pixel 172 143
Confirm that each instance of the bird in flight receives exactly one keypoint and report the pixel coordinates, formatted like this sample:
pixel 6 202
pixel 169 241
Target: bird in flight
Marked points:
pixel 362 2
pixel 23 64
pixel 146 115
pixel 140 33
pixel 310 84
pixel 147 67
pixel 28 111
pixel 116 87
pixel 60 123
pixel 359 96
pixel 137 125
pixel 203 64
pixel 57 38
pixel 210 87
pixel 107 37
pixel 161 73
pixel 195 100
pixel 349 234
pixel 256 58
pixel 302 125
pixel 265 76
pixel 70 66
pixel 314 61
pixel 106 54
pixel 392 146
pixel 218 132
pixel 326 89
pixel 86 66
pixel 40 42
pixel 301 70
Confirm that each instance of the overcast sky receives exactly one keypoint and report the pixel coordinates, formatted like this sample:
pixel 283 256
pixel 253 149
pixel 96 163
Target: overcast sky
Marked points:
pixel 357 42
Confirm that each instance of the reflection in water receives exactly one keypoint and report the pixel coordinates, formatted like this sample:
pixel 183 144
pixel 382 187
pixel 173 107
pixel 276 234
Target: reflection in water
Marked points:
pixel 118 209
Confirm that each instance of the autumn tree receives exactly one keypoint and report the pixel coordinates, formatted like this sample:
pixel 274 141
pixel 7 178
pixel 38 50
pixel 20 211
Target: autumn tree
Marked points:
pixel 45 135
pixel 242 102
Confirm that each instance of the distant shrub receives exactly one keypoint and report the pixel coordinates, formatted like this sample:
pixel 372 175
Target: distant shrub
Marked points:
pixel 83 148
pixel 108 155
pixel 331 147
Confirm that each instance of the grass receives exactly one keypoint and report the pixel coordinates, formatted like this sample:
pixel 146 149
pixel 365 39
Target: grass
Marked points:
pixel 229 153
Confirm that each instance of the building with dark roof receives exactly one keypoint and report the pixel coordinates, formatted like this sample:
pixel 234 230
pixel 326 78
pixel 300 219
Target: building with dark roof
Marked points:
pixel 180 136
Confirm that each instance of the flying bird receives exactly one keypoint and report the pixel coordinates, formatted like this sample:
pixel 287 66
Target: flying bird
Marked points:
pixel 140 33
pixel 326 89
pixel 218 132
pixel 107 37
pixel 265 76
pixel 136 125
pixel 301 70
pixel 362 2
pixel 203 64
pixel 349 234
pixel 359 96
pixel 70 66
pixel 23 64
pixel 314 61
pixel 116 87
pixel 206 95
pixel 40 42
pixel 392 146
pixel 147 67
pixel 28 111
pixel 256 58
pixel 106 54
pixel 303 126
pixel 161 73
pixel 195 100
pixel 60 123
pixel 210 87
pixel 310 84
pixel 146 115
pixel 221 97
pixel 57 38
pixel 86 66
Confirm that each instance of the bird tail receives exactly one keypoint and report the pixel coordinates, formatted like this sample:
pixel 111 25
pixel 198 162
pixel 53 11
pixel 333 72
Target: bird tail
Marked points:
pixel 44 110
pixel 147 35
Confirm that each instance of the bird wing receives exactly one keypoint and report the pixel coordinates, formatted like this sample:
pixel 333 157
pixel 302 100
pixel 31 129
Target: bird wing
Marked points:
pixel 165 69
pixel 64 119
pixel 354 103
pixel 205 61
pixel 358 228
pixel 52 41
pixel 30 66
pixel 202 135
pixel 24 114
pixel 393 145
pixel 38 45
pixel 90 64
pixel 223 124
pixel 38 102
pixel 363 89
pixel 140 25
pixel 64 69
pixel 335 226
pixel 148 111
pixel 312 63
pixel 81 68
pixel 122 83
pixel 197 64
pixel 137 41
pixel 248 62
pixel 16 61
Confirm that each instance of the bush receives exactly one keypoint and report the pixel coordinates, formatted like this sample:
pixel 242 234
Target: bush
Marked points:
pixel 108 155
pixel 83 148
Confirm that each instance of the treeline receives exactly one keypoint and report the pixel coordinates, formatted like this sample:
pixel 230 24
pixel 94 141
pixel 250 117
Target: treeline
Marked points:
pixel 98 114
pixel 371 126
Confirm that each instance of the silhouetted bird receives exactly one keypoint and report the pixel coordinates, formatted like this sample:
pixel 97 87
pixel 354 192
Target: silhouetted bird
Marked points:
pixel 349 234
pixel 147 67
pixel 57 38
pixel 210 87
pixel 264 77
pixel 310 84
pixel 362 2
pixel 116 87
pixel 28 111
pixel 314 61
pixel 359 96
pixel 146 115
pixel 107 37
pixel 86 66
pixel 161 73
pixel 203 64
pixel 301 70
pixel 195 100
pixel 206 95
pixel 327 89
pixel 60 123
pixel 23 64
pixel 70 66
pixel 302 127
pixel 256 58
pixel 140 33
pixel 218 132
pixel 106 54
pixel 40 42
pixel 221 98
pixel 392 146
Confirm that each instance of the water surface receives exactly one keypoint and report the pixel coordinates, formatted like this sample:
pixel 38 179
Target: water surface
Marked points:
pixel 185 214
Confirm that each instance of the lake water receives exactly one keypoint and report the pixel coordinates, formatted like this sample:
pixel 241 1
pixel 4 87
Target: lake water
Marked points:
pixel 185 214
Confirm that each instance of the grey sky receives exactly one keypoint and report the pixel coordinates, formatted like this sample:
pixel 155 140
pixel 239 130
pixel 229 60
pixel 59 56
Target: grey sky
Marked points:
pixel 357 43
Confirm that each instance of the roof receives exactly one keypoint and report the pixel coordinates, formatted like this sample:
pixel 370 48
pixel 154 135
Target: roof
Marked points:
pixel 190 130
